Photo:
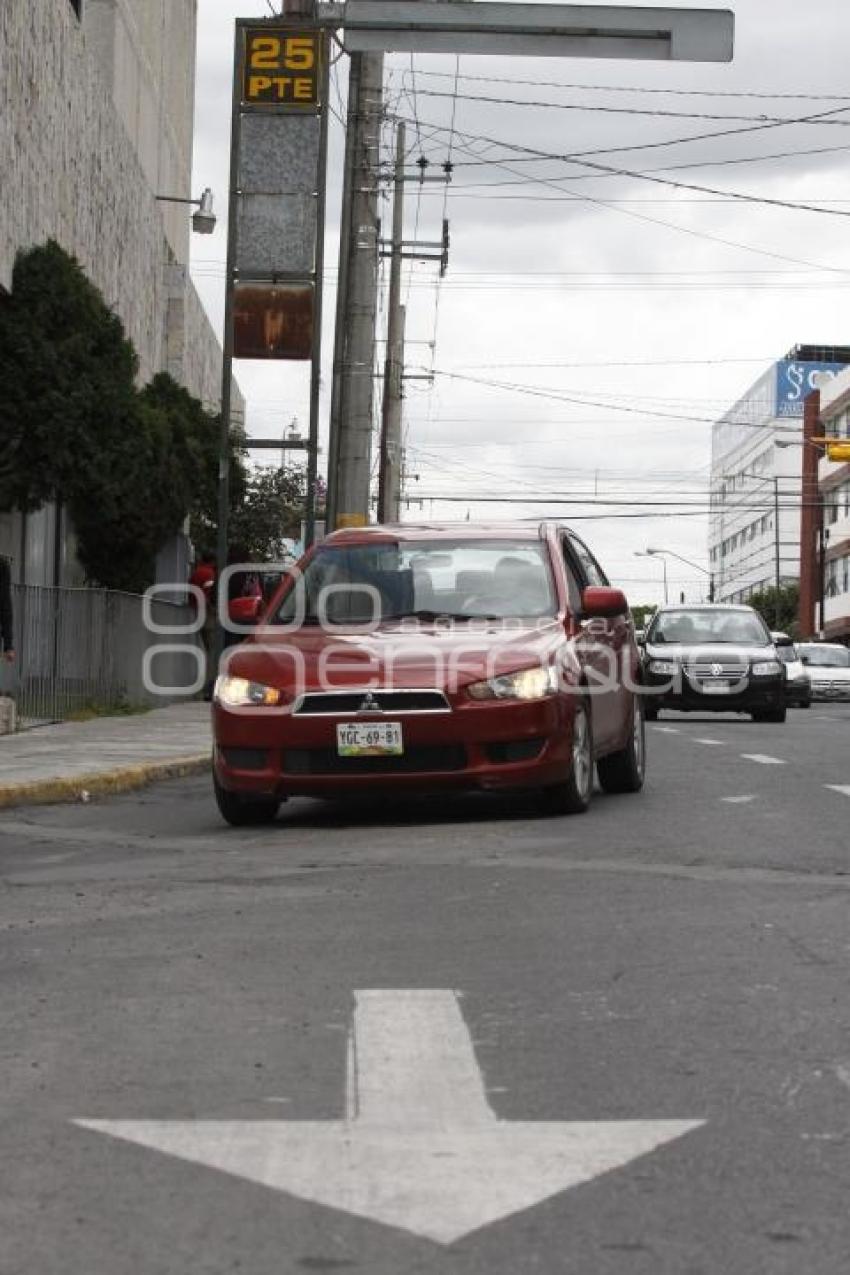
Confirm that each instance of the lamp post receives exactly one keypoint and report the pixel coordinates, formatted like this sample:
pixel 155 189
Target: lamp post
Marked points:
pixel 652 550
pixel 203 221
pixel 646 553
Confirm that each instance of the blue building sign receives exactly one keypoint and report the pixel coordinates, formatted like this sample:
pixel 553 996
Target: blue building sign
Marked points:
pixel 795 379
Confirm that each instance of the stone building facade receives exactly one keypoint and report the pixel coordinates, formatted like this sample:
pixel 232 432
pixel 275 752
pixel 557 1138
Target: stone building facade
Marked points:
pixel 96 119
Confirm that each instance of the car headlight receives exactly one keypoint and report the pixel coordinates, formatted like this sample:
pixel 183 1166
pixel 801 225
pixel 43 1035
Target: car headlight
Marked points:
pixel 238 692
pixel 668 667
pixel 766 668
pixel 528 683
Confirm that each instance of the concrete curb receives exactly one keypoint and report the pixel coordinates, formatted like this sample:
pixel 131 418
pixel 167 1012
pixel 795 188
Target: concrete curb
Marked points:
pixel 99 783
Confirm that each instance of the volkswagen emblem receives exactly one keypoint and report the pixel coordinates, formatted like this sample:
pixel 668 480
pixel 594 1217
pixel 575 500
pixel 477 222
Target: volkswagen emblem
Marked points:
pixel 716 670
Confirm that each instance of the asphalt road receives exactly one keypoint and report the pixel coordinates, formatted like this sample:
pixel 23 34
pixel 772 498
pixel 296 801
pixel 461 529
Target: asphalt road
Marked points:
pixel 681 955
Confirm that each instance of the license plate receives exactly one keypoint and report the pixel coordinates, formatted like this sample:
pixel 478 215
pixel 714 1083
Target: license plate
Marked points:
pixel 369 739
pixel 717 688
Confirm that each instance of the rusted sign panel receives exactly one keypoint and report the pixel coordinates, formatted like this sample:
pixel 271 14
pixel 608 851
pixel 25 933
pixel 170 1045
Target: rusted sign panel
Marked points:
pixel 273 320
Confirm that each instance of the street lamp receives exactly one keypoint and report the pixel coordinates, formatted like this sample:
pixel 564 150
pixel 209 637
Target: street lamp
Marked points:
pixel 203 221
pixel 648 553
pixel 706 571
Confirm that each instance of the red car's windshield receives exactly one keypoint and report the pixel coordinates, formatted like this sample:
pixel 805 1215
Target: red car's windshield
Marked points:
pixel 389 580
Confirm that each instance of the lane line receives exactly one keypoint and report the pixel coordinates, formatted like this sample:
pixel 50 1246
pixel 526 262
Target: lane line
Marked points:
pixel 844 789
pixel 667 730
pixel 764 759
pixel 740 801
pixel 715 743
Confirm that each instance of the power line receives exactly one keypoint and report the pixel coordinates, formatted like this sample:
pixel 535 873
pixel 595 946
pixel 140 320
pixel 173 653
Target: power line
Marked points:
pixel 635 110
pixel 623 88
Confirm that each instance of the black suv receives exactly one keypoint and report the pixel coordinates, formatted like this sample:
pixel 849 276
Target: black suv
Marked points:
pixel 712 658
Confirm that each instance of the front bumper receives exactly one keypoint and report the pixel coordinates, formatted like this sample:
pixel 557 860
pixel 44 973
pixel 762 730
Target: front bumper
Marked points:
pixel 474 746
pixel 746 695
pixel 835 692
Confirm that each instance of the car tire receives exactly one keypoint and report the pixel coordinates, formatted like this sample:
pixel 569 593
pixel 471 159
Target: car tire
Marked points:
pixel 650 713
pixel 777 715
pixel 572 797
pixel 624 770
pixel 805 703
pixel 244 812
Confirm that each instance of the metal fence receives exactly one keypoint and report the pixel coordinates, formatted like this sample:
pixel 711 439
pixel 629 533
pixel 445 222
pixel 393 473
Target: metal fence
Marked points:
pixel 80 648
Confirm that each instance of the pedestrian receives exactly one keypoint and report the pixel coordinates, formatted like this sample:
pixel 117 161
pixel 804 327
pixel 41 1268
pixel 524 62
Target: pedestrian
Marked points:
pixel 7 649
pixel 7 639
pixel 203 577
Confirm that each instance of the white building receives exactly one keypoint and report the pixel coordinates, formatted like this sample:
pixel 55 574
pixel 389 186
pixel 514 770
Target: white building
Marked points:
pixel 834 487
pixel 754 526
pixel 96 120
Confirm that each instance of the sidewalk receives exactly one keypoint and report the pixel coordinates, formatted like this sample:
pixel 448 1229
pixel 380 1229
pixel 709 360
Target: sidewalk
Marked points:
pixel 106 755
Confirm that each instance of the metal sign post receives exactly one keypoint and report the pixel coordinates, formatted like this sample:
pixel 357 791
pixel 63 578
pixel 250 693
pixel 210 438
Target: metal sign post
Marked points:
pixel 275 236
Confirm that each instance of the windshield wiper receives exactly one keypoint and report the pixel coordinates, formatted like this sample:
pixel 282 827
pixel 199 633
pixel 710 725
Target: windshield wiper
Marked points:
pixel 430 617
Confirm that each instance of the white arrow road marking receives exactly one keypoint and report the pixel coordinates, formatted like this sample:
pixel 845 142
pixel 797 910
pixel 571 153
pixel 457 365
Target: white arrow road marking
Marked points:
pixel 763 758
pixel 421 1148
pixel 842 788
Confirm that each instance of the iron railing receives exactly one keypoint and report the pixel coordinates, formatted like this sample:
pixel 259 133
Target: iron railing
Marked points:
pixel 80 648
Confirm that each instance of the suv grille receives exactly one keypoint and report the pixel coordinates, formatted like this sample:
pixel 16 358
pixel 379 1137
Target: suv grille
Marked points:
pixel 717 669
pixel 331 703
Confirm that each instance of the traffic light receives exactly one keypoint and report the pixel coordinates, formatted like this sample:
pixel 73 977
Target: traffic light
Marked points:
pixel 839 450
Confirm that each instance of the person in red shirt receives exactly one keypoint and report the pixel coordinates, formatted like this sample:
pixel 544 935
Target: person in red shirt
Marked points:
pixel 204 577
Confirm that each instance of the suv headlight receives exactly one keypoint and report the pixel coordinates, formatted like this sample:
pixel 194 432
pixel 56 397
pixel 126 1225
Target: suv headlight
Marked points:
pixel 527 684
pixel 668 667
pixel 238 692
pixel 766 668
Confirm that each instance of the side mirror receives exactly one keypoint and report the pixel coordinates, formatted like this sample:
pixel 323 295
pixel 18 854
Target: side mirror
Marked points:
pixel 782 640
pixel 602 603
pixel 805 659
pixel 640 637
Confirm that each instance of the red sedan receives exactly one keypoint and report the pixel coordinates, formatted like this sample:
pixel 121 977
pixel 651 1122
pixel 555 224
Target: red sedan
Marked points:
pixel 433 657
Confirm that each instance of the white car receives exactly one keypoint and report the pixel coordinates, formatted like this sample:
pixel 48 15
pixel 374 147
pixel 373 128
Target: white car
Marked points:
pixel 828 667
pixel 798 684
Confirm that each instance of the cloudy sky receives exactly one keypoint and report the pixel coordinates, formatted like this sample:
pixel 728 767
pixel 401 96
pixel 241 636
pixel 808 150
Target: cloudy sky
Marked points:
pixel 591 325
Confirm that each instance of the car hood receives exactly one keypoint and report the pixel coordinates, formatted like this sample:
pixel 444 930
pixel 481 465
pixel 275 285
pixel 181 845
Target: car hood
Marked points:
pixel 432 655
pixel 710 653
pixel 823 673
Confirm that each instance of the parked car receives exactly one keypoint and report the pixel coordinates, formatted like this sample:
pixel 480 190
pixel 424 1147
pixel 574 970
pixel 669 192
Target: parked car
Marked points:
pixel 798 686
pixel 712 658
pixel 828 667
pixel 433 657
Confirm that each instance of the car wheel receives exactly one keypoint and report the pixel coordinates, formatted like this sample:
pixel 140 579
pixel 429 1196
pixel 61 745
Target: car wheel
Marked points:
pixel 244 812
pixel 650 713
pixel 805 703
pixel 624 771
pixel 573 796
pixel 777 715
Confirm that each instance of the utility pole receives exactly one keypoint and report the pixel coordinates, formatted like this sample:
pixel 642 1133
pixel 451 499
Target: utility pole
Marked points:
pixel 389 485
pixel 350 443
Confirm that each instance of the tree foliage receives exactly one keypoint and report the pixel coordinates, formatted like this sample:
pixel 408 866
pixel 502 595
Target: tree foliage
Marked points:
pixel 764 601
pixel 128 464
pixel 270 513
pixel 643 613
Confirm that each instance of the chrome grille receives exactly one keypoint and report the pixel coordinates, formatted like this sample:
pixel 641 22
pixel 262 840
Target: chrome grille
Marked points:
pixel 382 700
pixel 717 668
